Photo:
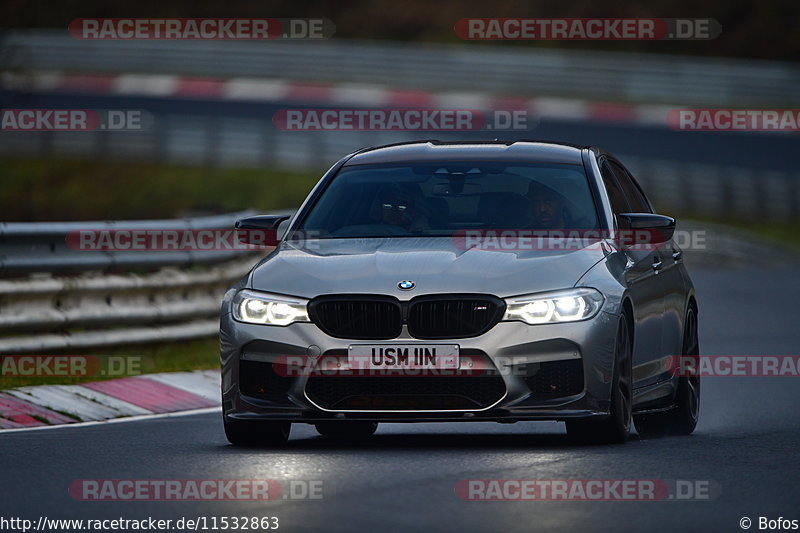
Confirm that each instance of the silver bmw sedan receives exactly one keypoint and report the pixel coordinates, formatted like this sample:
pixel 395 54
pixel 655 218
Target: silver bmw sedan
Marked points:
pixel 464 281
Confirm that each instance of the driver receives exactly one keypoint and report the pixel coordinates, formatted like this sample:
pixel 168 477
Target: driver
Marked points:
pixel 401 207
pixel 548 207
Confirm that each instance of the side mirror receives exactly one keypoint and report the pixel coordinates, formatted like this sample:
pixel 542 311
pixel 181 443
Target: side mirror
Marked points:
pixel 643 229
pixel 259 230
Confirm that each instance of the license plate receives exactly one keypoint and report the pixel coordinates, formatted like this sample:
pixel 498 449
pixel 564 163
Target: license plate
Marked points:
pixel 413 356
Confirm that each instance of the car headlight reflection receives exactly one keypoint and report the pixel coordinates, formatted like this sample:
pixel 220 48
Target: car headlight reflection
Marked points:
pixel 269 309
pixel 560 306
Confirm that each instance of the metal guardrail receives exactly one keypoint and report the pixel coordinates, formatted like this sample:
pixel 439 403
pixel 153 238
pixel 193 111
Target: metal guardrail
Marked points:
pixel 41 313
pixel 94 300
pixel 627 77
pixel 30 247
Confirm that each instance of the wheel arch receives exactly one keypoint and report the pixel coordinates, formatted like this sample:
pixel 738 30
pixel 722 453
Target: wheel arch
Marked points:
pixel 626 309
pixel 691 302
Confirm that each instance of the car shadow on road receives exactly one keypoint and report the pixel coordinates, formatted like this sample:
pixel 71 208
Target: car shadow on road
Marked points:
pixel 441 441
pixel 430 441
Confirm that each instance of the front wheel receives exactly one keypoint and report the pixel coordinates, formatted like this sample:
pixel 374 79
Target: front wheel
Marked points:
pixel 257 432
pixel 615 428
pixel 682 418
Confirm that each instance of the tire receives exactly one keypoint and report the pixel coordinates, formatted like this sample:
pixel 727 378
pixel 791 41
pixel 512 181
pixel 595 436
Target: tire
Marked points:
pixel 614 429
pixel 257 433
pixel 346 429
pixel 682 419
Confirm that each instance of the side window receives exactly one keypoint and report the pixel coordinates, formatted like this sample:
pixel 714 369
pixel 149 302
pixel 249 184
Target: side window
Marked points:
pixel 618 203
pixel 635 197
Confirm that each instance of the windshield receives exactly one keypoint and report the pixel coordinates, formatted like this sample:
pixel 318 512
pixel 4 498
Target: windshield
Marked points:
pixel 440 199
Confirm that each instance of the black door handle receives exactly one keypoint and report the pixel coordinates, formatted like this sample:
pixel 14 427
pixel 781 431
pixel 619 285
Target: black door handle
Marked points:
pixel 657 264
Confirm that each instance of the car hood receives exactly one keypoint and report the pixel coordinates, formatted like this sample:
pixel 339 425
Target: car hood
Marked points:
pixel 435 265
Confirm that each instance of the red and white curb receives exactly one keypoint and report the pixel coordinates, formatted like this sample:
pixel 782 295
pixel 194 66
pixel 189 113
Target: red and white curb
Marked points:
pixel 353 94
pixel 149 394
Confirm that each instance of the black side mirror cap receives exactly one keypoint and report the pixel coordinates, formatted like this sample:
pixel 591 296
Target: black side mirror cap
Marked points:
pixel 259 230
pixel 642 229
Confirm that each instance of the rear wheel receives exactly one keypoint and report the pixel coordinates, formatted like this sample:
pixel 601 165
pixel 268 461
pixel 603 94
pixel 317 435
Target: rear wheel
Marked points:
pixel 257 432
pixel 682 419
pixel 615 428
pixel 346 429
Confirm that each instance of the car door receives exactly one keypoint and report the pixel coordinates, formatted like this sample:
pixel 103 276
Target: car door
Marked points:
pixel 670 277
pixel 646 292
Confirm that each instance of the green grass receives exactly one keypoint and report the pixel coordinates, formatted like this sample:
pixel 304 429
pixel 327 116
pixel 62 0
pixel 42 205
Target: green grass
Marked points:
pixel 62 190
pixel 784 233
pixel 56 190
pixel 53 189
pixel 198 354
pixel 781 233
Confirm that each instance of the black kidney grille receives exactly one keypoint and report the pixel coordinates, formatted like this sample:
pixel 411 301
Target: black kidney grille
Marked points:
pixel 428 317
pixel 350 318
pixel 459 317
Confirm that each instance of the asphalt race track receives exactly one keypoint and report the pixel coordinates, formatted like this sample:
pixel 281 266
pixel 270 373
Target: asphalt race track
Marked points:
pixel 404 478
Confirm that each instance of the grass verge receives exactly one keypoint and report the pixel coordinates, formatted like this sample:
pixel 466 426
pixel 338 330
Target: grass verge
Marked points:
pixel 62 190
pixel 779 233
pixel 199 354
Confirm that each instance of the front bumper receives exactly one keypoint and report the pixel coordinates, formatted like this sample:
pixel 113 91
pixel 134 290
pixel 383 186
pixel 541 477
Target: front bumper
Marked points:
pixel 511 349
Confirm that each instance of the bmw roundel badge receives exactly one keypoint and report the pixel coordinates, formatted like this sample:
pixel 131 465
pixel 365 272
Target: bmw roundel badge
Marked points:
pixel 406 285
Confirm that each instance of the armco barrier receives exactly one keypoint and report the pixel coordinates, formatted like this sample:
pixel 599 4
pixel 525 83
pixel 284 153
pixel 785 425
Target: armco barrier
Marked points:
pixel 54 297
pixel 31 247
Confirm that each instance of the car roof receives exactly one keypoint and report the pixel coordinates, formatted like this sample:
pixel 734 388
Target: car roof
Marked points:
pixel 433 150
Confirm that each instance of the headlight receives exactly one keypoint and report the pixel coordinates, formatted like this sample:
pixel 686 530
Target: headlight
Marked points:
pixel 269 309
pixel 559 306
